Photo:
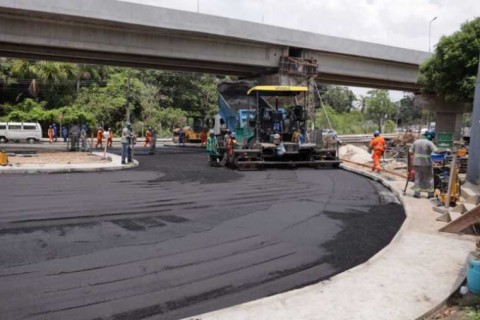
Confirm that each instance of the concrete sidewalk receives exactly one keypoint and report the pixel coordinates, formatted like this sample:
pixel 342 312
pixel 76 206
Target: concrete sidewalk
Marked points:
pixel 113 163
pixel 409 278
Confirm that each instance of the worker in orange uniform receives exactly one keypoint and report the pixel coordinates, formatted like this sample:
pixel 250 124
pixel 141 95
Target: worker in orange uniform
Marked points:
pixel 377 144
pixel 110 138
pixel 99 138
pixel 148 136
pixel 50 134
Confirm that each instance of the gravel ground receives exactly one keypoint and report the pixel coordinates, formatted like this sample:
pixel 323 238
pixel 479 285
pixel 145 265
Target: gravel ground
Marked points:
pixel 43 158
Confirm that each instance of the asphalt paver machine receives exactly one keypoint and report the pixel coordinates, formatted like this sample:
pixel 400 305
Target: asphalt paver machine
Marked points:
pixel 271 125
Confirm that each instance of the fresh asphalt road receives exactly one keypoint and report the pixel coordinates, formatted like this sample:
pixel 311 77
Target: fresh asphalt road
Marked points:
pixel 175 237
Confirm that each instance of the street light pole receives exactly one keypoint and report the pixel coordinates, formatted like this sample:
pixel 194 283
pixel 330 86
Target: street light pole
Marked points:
pixel 429 32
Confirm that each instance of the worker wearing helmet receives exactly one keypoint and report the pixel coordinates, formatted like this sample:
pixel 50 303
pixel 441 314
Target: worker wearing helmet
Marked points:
pixel 231 145
pixel 148 136
pixel 377 144
pixel 213 148
pixel 110 138
pixel 422 150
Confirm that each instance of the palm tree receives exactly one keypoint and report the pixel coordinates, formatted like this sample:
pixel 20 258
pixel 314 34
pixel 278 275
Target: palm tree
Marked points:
pixel 87 72
pixel 55 71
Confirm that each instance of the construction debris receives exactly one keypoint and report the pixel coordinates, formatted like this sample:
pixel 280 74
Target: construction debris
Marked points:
pixel 354 154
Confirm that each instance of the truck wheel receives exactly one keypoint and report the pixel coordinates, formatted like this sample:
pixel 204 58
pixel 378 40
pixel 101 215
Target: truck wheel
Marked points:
pixel 31 140
pixel 3 140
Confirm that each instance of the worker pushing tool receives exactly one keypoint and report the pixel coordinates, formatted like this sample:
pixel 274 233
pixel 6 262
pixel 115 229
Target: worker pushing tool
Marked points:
pixel 422 163
pixel 377 144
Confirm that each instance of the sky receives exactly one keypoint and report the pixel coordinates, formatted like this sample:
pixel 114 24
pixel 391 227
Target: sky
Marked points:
pixel 402 23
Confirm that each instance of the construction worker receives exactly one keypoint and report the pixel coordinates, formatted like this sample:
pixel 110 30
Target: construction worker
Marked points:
pixel 213 148
pixel 377 144
pixel 204 136
pixel 153 142
pixel 110 138
pixel 83 137
pixel 422 163
pixel 226 138
pixel 148 136
pixel 99 138
pixel 126 143
pixel 280 148
pixel 50 134
pixel 231 145
pixel 181 137
pixel 295 135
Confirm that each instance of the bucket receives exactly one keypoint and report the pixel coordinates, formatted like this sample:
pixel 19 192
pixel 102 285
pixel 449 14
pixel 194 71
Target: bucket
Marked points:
pixel 473 275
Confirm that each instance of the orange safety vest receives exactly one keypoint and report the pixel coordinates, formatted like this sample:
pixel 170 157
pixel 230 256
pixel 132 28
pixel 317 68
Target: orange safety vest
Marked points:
pixel 99 134
pixel 378 143
pixel 148 134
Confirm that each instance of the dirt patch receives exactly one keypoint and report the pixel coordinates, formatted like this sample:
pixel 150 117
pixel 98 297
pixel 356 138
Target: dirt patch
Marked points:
pixel 45 158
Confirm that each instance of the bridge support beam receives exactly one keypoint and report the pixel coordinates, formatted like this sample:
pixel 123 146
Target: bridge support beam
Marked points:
pixel 473 171
pixel 448 115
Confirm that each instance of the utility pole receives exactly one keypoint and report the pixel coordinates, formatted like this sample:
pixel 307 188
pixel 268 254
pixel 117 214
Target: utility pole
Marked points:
pixel 429 32
pixel 128 96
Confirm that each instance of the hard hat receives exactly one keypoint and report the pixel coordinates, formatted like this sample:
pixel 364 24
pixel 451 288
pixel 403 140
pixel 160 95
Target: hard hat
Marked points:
pixel 276 136
pixel 376 133
pixel 233 135
pixel 212 132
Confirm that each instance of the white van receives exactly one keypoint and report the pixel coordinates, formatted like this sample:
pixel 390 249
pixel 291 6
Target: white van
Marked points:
pixel 29 131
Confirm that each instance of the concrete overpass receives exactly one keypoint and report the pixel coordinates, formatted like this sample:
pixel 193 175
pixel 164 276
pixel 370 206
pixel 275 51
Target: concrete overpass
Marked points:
pixel 126 34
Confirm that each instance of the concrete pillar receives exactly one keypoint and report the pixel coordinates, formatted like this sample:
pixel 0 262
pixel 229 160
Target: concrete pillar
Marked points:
pixel 473 172
pixel 449 122
pixel 449 115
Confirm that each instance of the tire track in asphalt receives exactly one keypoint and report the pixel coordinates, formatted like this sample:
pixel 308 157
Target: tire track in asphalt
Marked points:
pixel 176 237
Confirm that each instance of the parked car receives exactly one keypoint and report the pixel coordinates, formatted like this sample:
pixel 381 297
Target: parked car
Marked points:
pixel 27 131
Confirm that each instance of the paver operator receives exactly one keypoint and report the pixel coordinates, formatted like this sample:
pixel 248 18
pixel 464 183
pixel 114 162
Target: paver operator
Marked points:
pixel 377 144
pixel 422 163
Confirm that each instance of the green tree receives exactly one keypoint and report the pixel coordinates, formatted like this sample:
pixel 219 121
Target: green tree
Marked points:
pixel 379 106
pixel 408 113
pixel 451 71
pixel 338 97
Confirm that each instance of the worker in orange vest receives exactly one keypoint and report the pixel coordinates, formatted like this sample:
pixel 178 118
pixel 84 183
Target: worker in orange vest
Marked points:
pixel 377 144
pixel 148 136
pixel 99 138
pixel 50 133
pixel 110 138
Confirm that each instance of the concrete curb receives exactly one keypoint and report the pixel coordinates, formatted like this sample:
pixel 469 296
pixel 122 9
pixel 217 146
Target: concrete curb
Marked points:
pixel 113 165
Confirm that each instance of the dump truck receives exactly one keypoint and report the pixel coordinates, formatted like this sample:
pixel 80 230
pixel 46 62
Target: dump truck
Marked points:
pixel 270 123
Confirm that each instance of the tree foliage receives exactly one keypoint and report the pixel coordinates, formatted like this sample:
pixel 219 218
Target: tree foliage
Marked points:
pixel 451 71
pixel 340 98
pixel 102 96
pixel 408 113
pixel 379 107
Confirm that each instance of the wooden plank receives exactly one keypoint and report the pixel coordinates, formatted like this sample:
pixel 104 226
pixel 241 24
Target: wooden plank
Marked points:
pixel 464 221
